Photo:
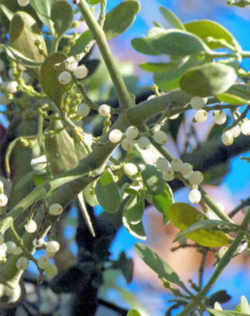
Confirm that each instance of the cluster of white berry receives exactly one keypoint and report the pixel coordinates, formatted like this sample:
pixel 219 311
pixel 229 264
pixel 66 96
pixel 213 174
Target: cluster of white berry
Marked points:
pixel 242 128
pixel 51 248
pixel 197 103
pixel 72 68
pixel 194 178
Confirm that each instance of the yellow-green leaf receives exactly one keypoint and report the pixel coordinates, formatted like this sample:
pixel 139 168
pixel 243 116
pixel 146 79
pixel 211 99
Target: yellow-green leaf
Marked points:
pixel 183 216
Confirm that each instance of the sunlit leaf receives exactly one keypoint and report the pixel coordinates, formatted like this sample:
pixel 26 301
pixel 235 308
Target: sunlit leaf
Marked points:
pixel 133 312
pixel 207 29
pixel 183 216
pixel 237 94
pixel 172 19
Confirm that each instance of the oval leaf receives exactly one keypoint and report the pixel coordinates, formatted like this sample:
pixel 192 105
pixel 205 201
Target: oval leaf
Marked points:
pixel 170 42
pixel 43 10
pixel 207 29
pixel 24 33
pixel 183 216
pixel 208 80
pixel 120 18
pixel 172 19
pixel 62 17
pixel 107 193
pixel 50 70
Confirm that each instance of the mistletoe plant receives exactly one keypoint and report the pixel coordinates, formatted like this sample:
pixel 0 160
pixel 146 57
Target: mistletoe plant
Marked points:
pixel 68 146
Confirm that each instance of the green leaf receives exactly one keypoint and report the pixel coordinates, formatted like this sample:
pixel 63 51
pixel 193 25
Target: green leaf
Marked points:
pixel 43 10
pixel 136 230
pixel 120 18
pixel 238 94
pixel 24 33
pixel 134 208
pixel 225 313
pixel 163 270
pixel 183 216
pixel 62 16
pixel 169 79
pixel 60 149
pixel 203 224
pixel 126 266
pixel 208 80
pixel 19 57
pixel 155 67
pixel 133 312
pixel 50 70
pixel 172 19
pixel 107 193
pixel 207 29
pixel 83 40
pixel 160 192
pixel 169 42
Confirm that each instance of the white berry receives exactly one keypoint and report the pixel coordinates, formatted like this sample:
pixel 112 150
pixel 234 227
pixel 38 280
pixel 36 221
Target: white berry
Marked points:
pixel 71 64
pixel 83 110
pixel 177 165
pixel 31 226
pixel 55 209
pixel 186 168
pixel 163 164
pixel 127 144
pixel 236 131
pixel 22 263
pixel 143 142
pixel 52 246
pixel 194 196
pixel 130 169
pixel 64 78
pixel 11 87
pixel 160 137
pixel 115 136
pixel 200 116
pixel 227 138
pixel 132 132
pixel 43 262
pixel 195 178
pixel 168 174
pixel 23 3
pixel 3 200
pixel 222 251
pixel 3 250
pixel 80 72
pixel 219 117
pixel 245 127
pixel 104 110
pixel 198 102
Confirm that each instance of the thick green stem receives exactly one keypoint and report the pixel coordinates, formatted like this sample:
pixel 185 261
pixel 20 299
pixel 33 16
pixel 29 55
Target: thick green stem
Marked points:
pixel 124 97
pixel 220 267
